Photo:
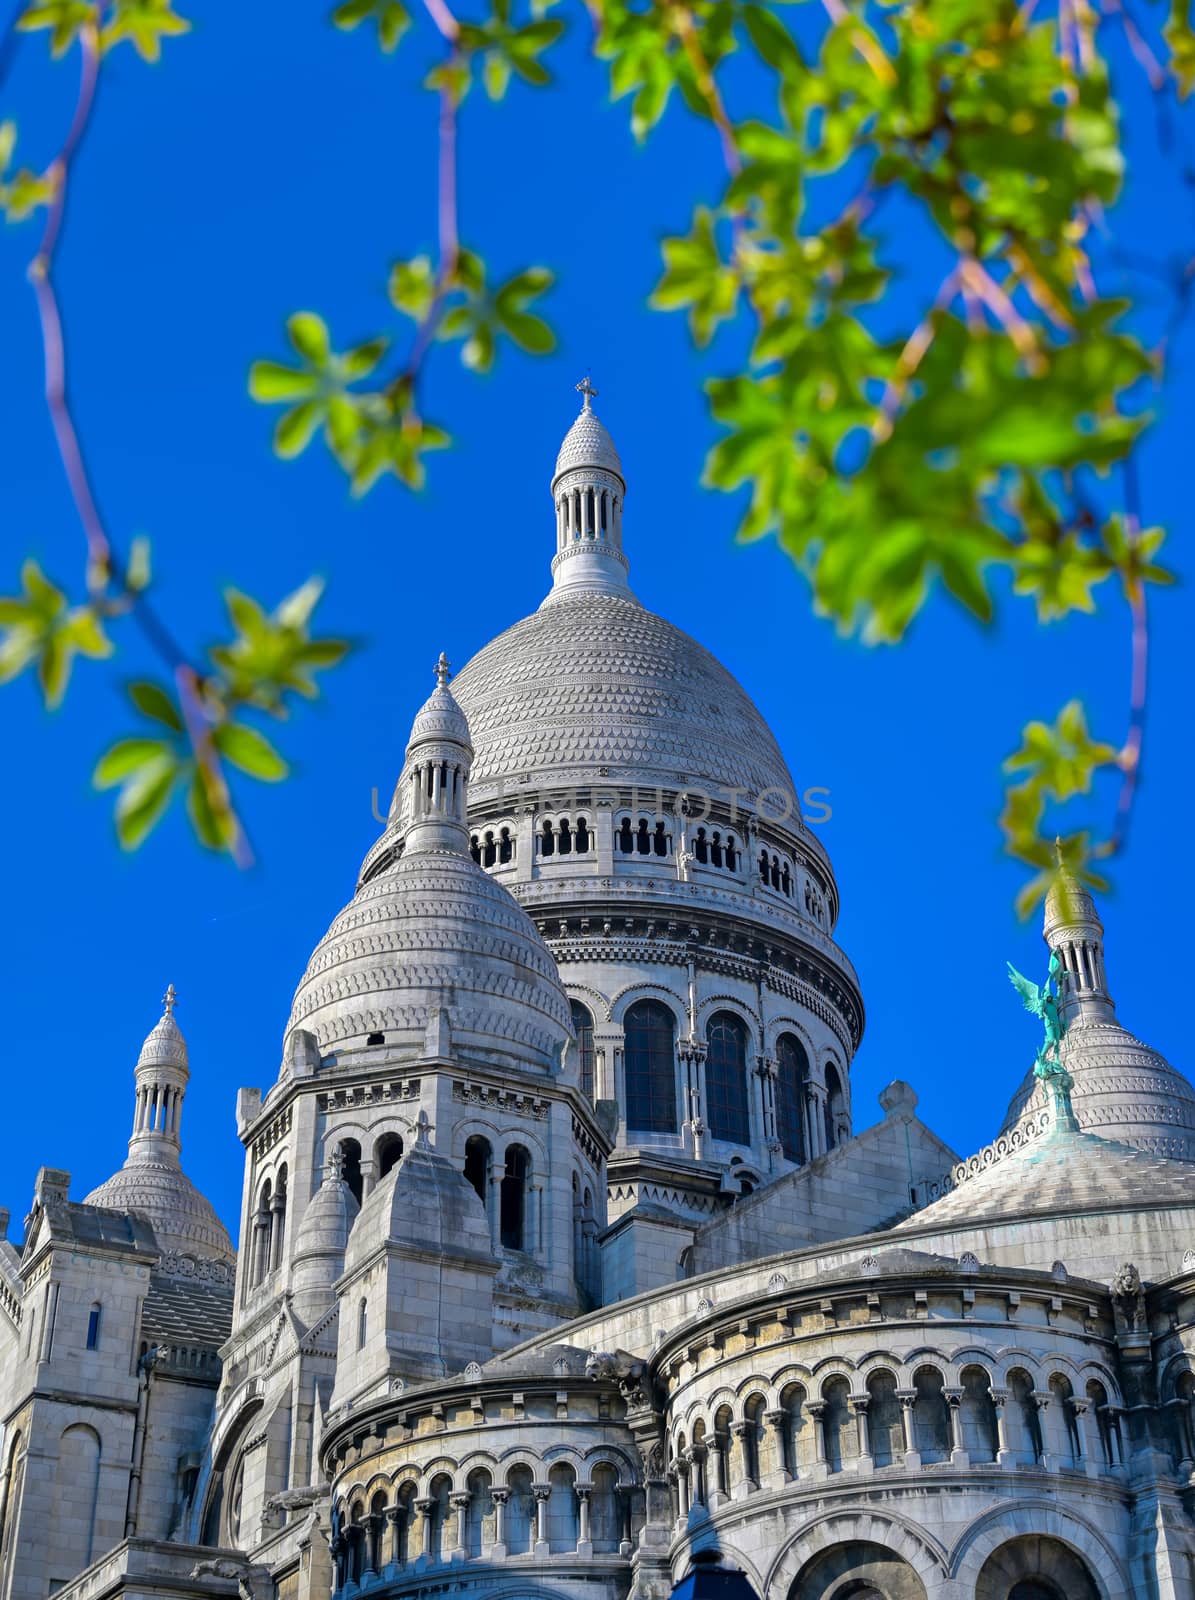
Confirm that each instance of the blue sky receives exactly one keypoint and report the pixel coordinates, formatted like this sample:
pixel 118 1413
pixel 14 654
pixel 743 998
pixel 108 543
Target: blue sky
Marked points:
pixel 269 164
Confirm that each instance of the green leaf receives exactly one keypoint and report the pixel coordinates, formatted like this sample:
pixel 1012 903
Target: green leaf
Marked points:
pixel 309 335
pixel 156 703
pixel 412 286
pixel 772 40
pixel 268 382
pixel 212 819
pixel 389 17
pixel 244 747
pixel 64 18
pixel 126 757
pixel 144 24
pixel 295 430
pixel 143 800
pixel 1061 759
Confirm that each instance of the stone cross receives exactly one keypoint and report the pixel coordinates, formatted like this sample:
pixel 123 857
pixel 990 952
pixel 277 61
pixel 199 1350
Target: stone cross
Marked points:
pixel 586 388
pixel 169 1000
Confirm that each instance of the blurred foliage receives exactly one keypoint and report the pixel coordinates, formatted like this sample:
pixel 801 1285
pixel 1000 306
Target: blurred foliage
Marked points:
pixel 194 729
pixel 974 440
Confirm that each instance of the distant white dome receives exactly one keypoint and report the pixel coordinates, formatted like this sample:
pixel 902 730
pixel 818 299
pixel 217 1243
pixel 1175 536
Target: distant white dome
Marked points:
pixel 182 1219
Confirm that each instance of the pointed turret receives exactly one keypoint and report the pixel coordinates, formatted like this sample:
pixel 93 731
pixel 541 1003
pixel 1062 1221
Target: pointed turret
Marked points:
pixel 152 1183
pixel 588 488
pixel 1073 928
pixel 436 775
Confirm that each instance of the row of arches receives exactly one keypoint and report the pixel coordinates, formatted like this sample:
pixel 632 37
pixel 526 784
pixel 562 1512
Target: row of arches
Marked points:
pixel 650 1072
pixel 522 1514
pixel 565 838
pixel 504 1189
pixel 586 514
pixel 493 847
pixel 839 1426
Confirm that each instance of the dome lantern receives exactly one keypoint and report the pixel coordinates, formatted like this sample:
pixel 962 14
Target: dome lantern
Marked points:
pixel 588 488
pixel 439 755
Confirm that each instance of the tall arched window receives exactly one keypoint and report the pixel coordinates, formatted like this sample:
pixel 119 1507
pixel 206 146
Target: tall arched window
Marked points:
pixel 362 1323
pixel 350 1172
pixel 93 1326
pixel 278 1219
pixel 387 1153
pixel 478 1157
pixel 77 1485
pixel 513 1198
pixel 836 1117
pixel 727 1106
pixel 583 1028
pixel 650 1065
pixel 792 1074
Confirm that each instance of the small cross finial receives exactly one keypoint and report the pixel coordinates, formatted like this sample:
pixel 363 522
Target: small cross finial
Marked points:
pixel 443 671
pixel 586 388
pixel 169 1000
pixel 423 1128
pixel 336 1163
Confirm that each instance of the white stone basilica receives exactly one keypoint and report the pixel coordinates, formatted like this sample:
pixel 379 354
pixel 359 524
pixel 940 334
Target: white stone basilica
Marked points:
pixel 563 1266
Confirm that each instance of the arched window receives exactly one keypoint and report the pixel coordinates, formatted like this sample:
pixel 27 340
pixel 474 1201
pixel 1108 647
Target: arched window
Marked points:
pixel 362 1323
pixel 260 1252
pixel 727 1105
pixel 1024 1409
pixel 93 1327
pixel 583 1028
pixel 562 1509
pixel 1105 1421
pixel 650 1067
pixel 661 839
pixel 440 1521
pixel 506 848
pixel 643 837
pixel 278 1219
pixel 520 1511
pixel 837 1122
pixel 792 1075
pixel 977 1415
pixel 701 849
pixel 404 1511
pixel 605 1522
pixel 350 1170
pixel 841 1432
pixel 732 855
pixel 478 1157
pixel 547 841
pixel 387 1153
pixel 716 849
pixel 581 837
pixel 884 1427
pixel 626 838
pixel 565 846
pixel 475 847
pixel 931 1425
pixel 479 1514
pixel 513 1198
pixel 763 866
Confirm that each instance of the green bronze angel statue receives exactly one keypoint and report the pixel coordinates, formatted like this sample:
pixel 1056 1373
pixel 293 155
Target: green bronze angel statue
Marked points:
pixel 1043 1001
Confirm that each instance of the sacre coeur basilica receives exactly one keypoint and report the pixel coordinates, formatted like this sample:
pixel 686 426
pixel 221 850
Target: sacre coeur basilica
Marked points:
pixel 568 1270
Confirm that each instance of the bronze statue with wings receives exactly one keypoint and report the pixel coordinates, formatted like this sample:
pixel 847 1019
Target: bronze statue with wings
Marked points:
pixel 1043 1001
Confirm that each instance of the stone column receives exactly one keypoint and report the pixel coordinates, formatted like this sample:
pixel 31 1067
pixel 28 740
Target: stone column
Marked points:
pixel 541 1492
pixel 1087 1461
pixel 859 1405
pixel 393 1516
pixel 778 1422
pixel 743 1432
pixel 369 1175
pixel 277 1213
pixel 494 1204
pixel 373 1542
pixel 624 1491
pixel 816 1101
pixel 681 1468
pixel 424 1505
pixel 958 1452
pixel 498 1548
pixel 717 1450
pixel 1004 1456
pixel 816 1411
pixel 1041 1399
pixel 460 1504
pixel 907 1398
pixel 763 1067
pixel 584 1543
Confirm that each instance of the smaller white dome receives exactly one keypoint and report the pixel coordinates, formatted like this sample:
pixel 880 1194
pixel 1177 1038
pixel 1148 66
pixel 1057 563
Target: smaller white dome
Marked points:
pixel 587 444
pixel 164 1045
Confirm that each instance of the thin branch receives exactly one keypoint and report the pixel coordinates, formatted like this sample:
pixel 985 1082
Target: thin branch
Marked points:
pixel 707 84
pixel 1131 754
pixel 863 42
pixel 199 733
pixel 1138 44
pixel 911 358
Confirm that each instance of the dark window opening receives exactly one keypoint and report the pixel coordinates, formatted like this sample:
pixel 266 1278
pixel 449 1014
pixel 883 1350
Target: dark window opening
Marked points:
pixel 388 1153
pixel 626 839
pixel 350 1172
pixel 490 853
pixel 732 859
pixel 582 835
pixel 93 1328
pixel 726 1079
pixel 512 1215
pixel 375 1038
pixel 547 841
pixel 506 847
pixel 701 847
pixel 477 1166
pixel 650 1064
pixel 643 838
pixel 475 848
pixel 583 1028
pixel 716 850
pixel 792 1075
pixel 566 838
pixel 661 839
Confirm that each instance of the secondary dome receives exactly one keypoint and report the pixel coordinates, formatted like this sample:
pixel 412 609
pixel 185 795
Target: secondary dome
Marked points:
pixel 1123 1089
pixel 431 950
pixel 594 688
pixel 152 1182
pixel 587 444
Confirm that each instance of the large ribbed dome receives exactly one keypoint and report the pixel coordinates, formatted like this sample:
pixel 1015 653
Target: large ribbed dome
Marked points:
pixel 433 932
pixel 593 687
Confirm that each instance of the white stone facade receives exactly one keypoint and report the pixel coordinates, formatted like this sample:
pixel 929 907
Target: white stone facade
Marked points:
pixel 562 1262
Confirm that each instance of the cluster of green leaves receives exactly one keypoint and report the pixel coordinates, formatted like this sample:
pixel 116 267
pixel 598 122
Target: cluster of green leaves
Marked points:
pixel 194 726
pixel 268 660
pixel 378 428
